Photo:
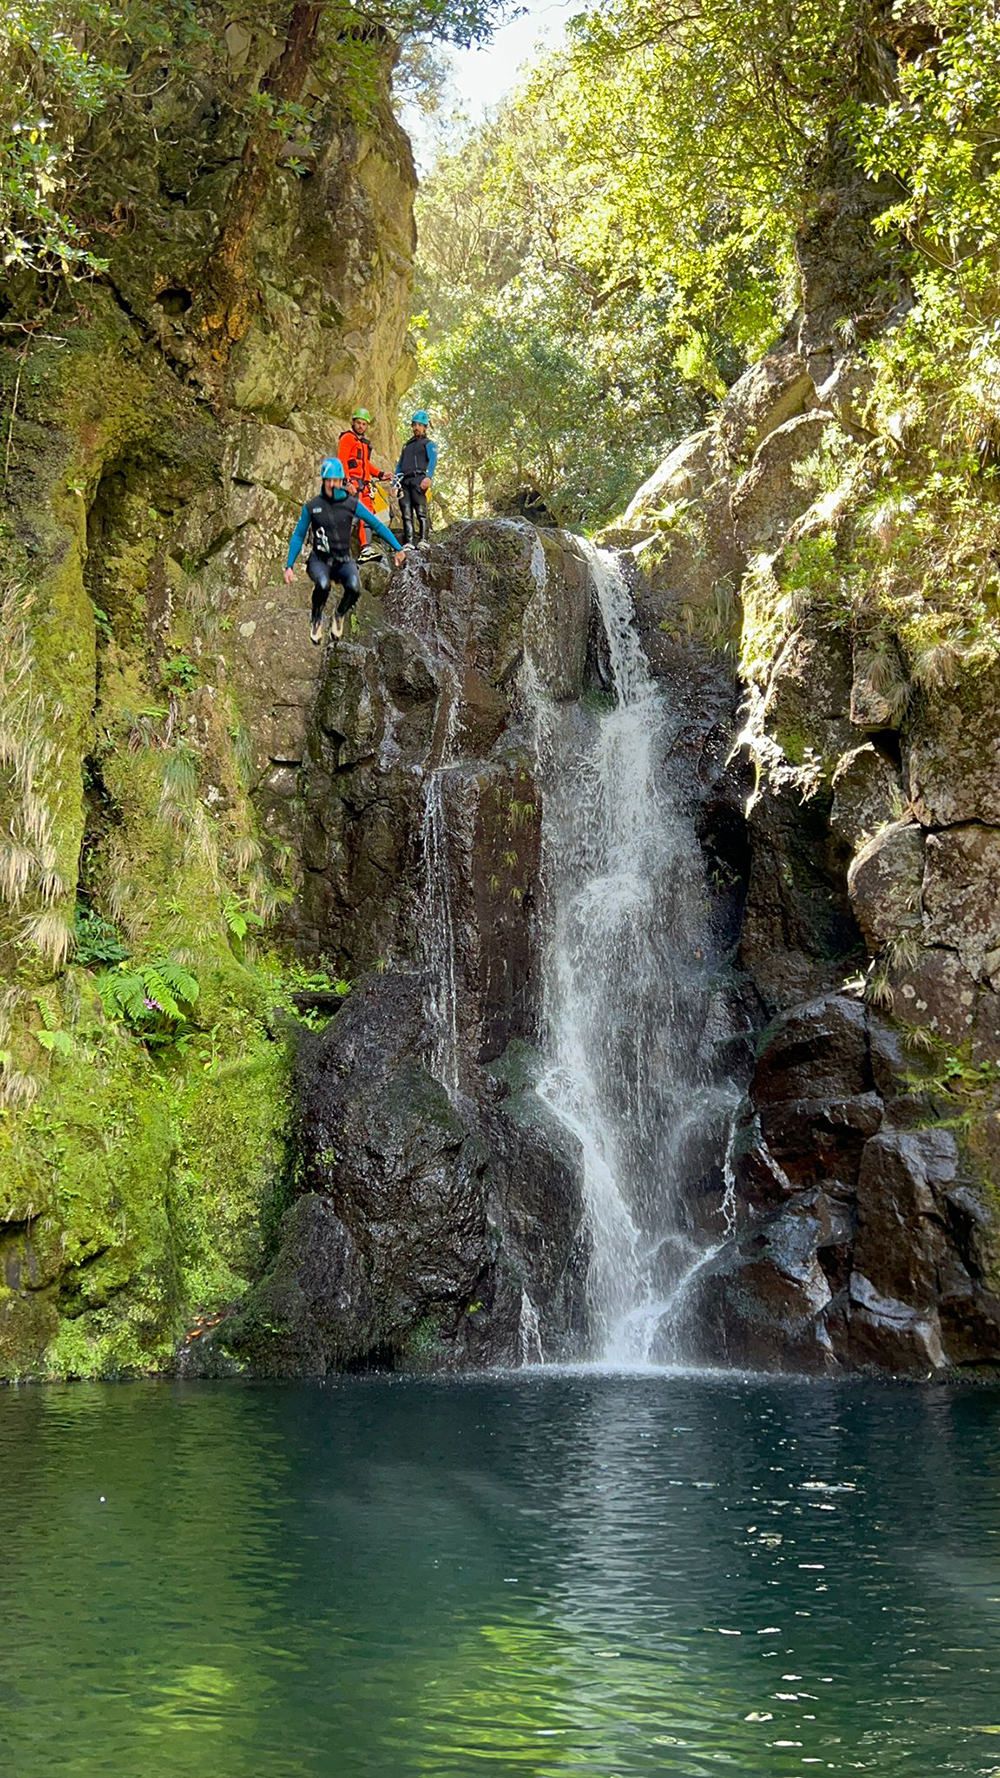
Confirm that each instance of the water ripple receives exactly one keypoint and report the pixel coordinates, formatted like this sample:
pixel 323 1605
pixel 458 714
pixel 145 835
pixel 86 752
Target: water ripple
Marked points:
pixel 565 1573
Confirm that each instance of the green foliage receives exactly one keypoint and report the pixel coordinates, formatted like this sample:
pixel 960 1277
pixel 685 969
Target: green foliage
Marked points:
pixel 936 139
pixel 925 554
pixel 49 85
pixel 301 982
pixel 72 68
pixel 522 409
pixel 155 1000
pixel 302 979
pixel 543 368
pixel 96 940
pixel 179 673
pixel 239 917
pixel 424 1345
pixel 635 207
pixel 150 1179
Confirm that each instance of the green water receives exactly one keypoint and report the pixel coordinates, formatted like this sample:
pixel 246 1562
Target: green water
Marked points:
pixel 543 1575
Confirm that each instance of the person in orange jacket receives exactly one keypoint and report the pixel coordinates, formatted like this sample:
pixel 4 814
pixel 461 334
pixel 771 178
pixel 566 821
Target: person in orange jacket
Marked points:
pixel 355 453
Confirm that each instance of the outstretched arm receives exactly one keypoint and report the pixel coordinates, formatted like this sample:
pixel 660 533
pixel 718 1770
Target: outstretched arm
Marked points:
pixel 380 530
pixel 298 538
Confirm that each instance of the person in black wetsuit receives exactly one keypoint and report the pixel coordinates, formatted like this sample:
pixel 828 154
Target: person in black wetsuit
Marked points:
pixel 331 516
pixel 415 470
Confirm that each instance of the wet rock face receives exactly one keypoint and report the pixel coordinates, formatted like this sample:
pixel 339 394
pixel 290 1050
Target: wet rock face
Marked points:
pixel 441 1224
pixel 427 681
pixel 427 1233
pixel 433 1227
pixel 860 1243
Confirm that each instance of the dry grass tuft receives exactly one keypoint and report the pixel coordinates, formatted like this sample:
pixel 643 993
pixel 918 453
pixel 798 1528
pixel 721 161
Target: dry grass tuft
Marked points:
pixel 30 766
pixel 50 933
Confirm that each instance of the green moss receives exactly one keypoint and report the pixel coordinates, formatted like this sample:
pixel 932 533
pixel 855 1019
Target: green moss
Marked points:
pixel 424 1345
pixel 795 745
pixel 138 1190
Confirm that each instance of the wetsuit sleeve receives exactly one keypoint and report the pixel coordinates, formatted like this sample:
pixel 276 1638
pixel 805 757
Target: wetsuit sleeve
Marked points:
pixel 298 538
pixel 432 457
pixel 399 465
pixel 377 526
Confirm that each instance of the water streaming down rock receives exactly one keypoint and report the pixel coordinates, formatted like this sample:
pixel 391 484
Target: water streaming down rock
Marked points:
pixel 628 980
pixel 438 925
pixel 417 607
pixel 530 1332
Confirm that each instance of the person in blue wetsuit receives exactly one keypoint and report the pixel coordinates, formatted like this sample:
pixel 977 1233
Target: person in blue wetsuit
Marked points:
pixel 331 517
pixel 415 470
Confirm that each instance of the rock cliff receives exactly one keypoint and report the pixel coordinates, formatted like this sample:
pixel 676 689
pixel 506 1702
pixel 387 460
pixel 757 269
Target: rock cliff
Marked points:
pixel 847 800
pixel 865 1169
pixel 162 425
pixel 188 1165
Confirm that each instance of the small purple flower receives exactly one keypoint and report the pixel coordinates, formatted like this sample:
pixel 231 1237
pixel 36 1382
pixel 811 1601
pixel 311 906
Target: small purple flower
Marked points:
pixel 154 1005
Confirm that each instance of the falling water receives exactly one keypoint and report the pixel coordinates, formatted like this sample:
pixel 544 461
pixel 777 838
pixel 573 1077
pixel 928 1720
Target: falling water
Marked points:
pixel 530 1332
pixel 438 924
pixel 627 982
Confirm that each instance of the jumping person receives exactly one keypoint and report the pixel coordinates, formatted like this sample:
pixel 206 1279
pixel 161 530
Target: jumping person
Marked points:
pixel 415 469
pixel 355 453
pixel 331 516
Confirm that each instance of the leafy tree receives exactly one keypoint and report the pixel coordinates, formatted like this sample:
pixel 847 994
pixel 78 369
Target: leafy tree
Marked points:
pixel 523 408
pixel 543 323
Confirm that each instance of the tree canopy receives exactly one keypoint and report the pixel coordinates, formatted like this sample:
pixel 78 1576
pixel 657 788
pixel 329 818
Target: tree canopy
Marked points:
pixel 636 205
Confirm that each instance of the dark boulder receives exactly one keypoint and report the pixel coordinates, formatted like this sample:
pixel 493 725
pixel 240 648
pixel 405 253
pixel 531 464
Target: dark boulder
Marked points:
pixel 429 1233
pixel 859 1243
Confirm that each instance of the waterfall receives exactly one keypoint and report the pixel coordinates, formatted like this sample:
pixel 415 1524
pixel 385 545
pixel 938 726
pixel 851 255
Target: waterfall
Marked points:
pixel 627 982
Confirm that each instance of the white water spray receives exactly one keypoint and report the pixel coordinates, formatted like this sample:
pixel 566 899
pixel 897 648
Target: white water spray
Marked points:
pixel 438 921
pixel 627 983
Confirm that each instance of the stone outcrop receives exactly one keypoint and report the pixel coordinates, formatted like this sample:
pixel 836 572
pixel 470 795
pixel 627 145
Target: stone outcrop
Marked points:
pixel 430 1232
pixel 857 1247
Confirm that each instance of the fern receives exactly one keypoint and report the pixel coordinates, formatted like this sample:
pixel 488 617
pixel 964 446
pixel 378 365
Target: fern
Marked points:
pixel 154 999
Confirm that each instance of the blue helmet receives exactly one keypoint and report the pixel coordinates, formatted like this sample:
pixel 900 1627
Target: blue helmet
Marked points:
pixel 420 418
pixel 331 470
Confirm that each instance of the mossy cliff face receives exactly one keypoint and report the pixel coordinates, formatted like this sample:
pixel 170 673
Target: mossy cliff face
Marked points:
pixel 162 426
pixel 177 766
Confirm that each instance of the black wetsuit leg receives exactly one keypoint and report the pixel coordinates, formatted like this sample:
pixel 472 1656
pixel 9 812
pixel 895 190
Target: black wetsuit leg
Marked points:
pixel 347 574
pixel 406 511
pixel 413 502
pixel 319 570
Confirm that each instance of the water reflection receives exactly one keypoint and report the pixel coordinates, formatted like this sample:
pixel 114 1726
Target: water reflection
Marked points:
pixel 576 1574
